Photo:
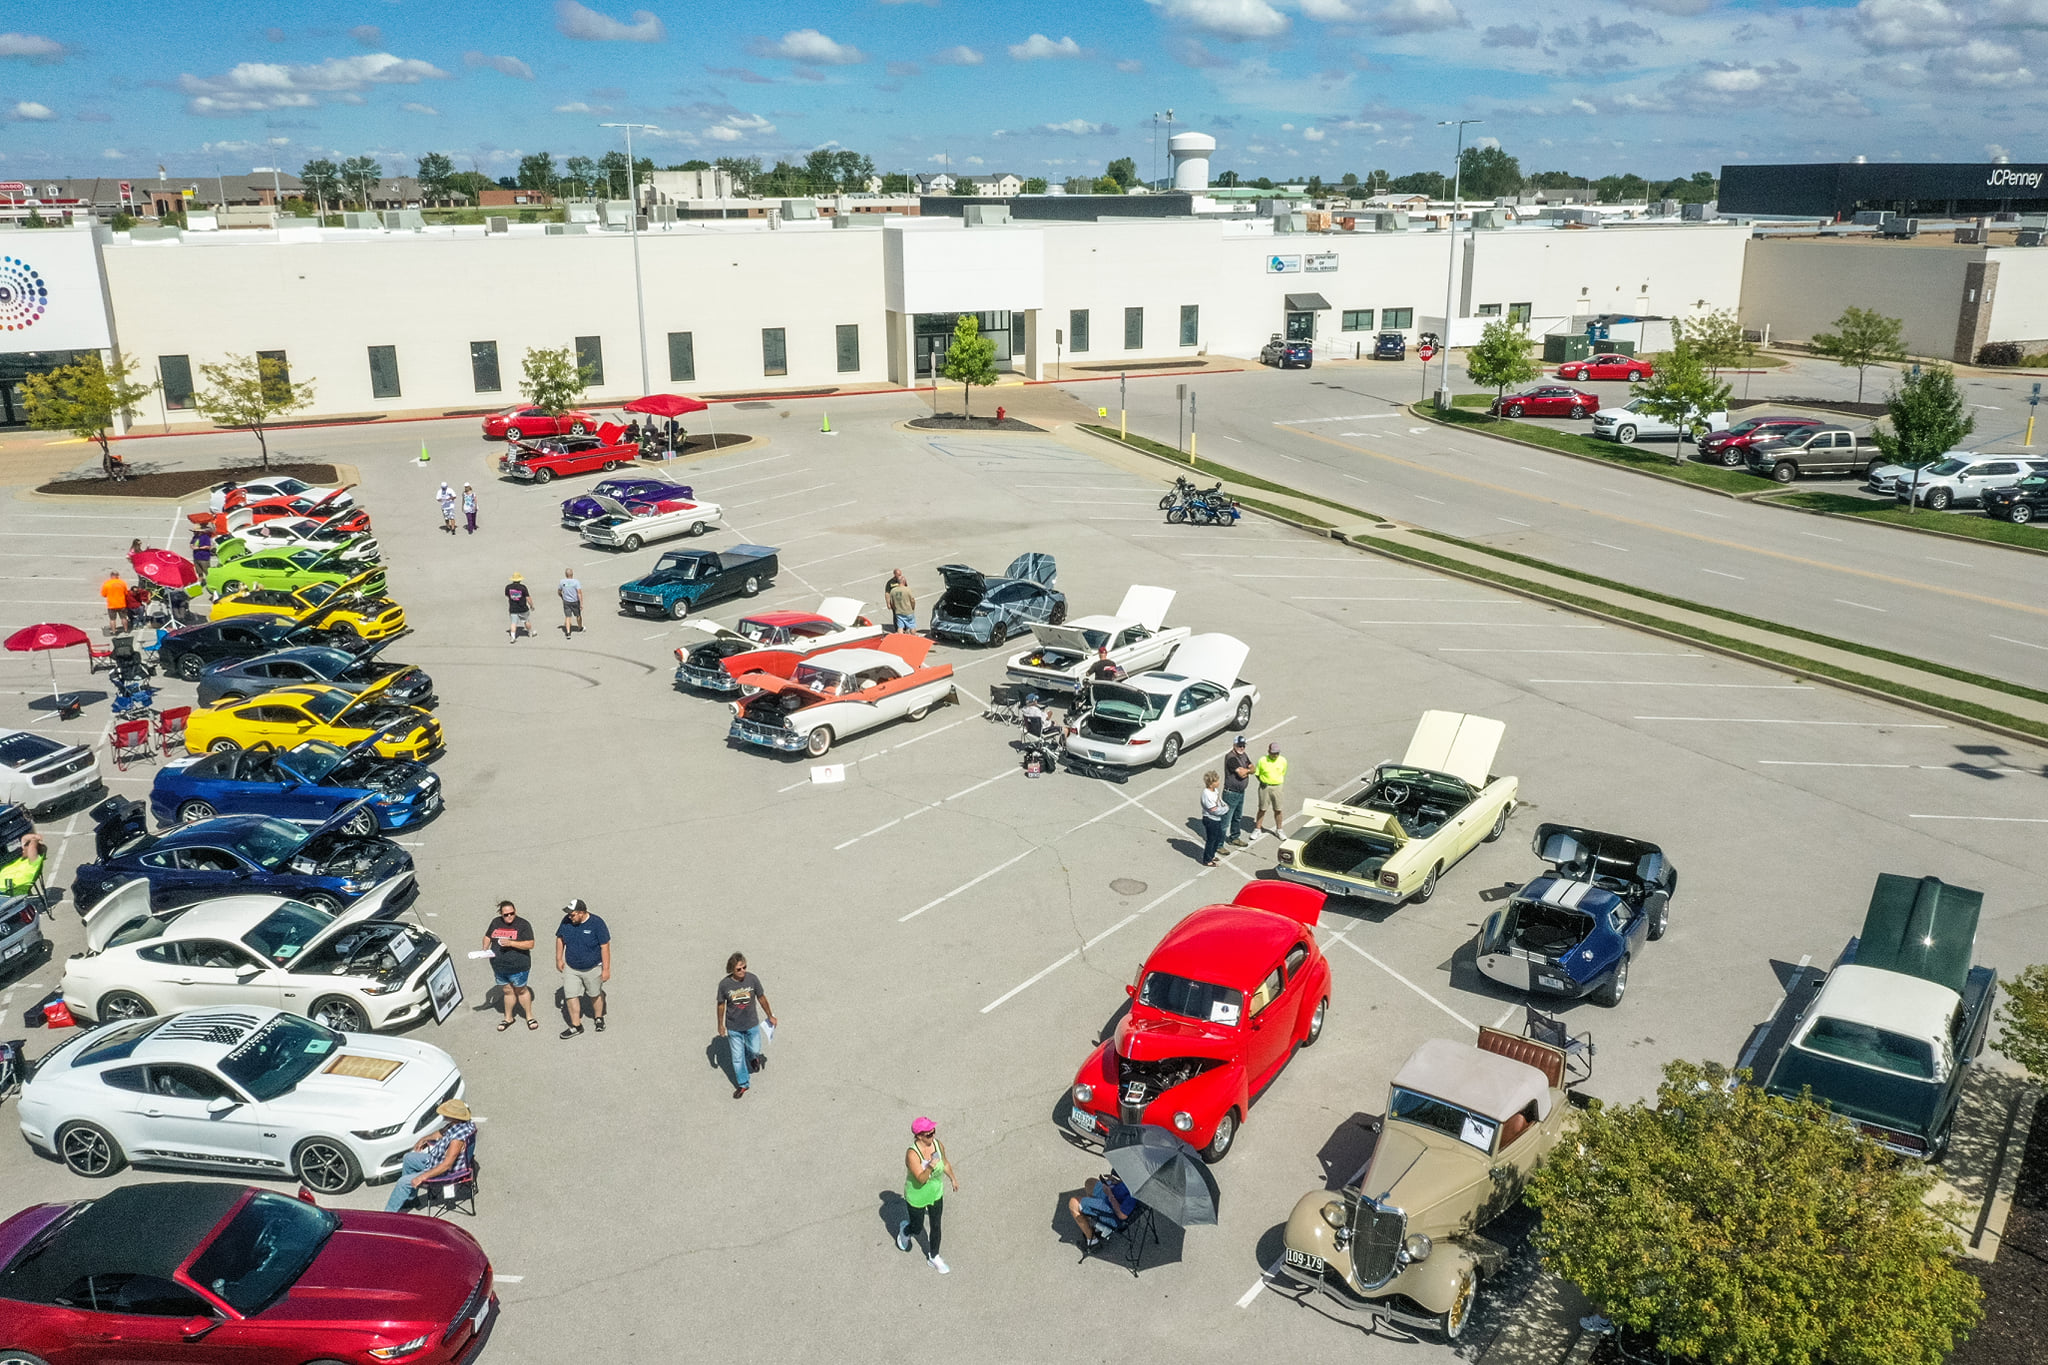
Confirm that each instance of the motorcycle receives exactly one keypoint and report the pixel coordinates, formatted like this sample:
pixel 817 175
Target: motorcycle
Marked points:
pixel 1182 491
pixel 1206 507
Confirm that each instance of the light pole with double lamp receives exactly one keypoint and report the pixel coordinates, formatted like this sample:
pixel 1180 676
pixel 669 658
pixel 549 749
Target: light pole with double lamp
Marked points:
pixel 633 231
pixel 1443 383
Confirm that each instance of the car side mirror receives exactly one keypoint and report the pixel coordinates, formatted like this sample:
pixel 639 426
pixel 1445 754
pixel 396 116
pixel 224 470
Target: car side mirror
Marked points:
pixel 192 1329
pixel 1131 991
pixel 221 1104
pixel 247 972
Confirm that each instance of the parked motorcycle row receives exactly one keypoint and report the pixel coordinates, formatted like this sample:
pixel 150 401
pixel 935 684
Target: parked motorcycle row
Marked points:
pixel 1187 504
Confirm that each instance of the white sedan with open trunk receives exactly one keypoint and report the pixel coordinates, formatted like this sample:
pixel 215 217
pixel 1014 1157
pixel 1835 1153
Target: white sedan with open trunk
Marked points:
pixel 1150 718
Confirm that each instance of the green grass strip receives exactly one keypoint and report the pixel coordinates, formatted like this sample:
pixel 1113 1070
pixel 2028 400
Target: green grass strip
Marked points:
pixel 1610 452
pixel 2029 536
pixel 1764 653
pixel 1275 510
pixel 1220 471
pixel 1737 618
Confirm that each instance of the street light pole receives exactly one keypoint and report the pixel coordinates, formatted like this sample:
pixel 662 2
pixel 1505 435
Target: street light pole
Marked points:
pixel 1443 383
pixel 633 231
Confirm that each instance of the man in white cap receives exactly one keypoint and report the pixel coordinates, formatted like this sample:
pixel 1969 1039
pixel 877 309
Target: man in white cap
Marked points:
pixel 446 497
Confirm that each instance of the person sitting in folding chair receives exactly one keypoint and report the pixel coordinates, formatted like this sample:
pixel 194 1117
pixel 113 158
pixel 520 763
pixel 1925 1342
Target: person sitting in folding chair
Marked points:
pixel 434 1155
pixel 24 875
pixel 1101 1209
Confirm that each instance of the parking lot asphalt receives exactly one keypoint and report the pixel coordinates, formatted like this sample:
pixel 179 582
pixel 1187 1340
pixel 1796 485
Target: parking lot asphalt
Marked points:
pixel 942 935
pixel 1340 431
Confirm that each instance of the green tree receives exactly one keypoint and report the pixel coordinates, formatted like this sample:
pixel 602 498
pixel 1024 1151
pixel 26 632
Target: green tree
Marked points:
pixel 1862 337
pixel 744 170
pixel 436 175
pixel 1554 180
pixel 894 183
pixel 1435 184
pixel 1682 391
pixel 1718 340
pixel 537 172
pixel 1928 416
pixel 1124 171
pixel 694 164
pixel 1501 358
pixel 1108 185
pixel 1488 172
pixel 1741 1228
pixel 579 175
pixel 2023 1020
pixel 1350 180
pixel 551 380
pixel 250 392
pixel 1621 189
pixel 613 175
pixel 970 360
pixel 471 185
pixel 1034 184
pixel 359 177
pixel 122 220
pixel 84 398
pixel 1229 180
pixel 322 179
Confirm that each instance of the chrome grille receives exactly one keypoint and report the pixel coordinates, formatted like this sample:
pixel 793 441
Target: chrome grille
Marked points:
pixel 1378 1231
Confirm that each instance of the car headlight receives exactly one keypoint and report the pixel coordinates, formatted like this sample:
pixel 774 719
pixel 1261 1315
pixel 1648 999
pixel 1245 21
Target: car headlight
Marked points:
pixel 1184 1121
pixel 1417 1248
pixel 372 1134
pixel 402 1349
pixel 1334 1213
pixel 377 988
pixel 1083 1093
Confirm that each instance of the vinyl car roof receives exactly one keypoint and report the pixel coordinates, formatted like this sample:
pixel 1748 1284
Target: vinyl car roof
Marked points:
pixel 135 1230
pixel 1484 1082
pixel 1227 945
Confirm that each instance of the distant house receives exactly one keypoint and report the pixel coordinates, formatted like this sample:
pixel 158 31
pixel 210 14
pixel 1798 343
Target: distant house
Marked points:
pixel 1001 185
pixel 505 199
pixel 936 184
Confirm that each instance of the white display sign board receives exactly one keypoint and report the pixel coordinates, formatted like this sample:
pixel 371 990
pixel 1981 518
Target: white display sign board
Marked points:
pixel 50 296
pixel 1322 263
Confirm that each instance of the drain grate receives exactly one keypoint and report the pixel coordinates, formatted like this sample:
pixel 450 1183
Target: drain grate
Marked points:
pixel 1127 886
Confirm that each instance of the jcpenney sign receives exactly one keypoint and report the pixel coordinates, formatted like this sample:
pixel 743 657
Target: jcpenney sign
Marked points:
pixel 2005 175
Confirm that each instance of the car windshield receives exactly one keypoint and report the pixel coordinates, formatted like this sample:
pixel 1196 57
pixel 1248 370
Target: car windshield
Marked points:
pixel 2034 483
pixel 279 1055
pixel 292 487
pixel 306 559
pixel 1191 999
pixel 1870 1046
pixel 263 1250
pixel 1412 1106
pixel 328 705
pixel 268 843
pixel 1947 467
pixel 676 569
pixel 118 1042
pixel 1127 704
pixel 327 662
pixel 285 931
pixel 760 632
pixel 314 759
pixel 821 679
pixel 316 593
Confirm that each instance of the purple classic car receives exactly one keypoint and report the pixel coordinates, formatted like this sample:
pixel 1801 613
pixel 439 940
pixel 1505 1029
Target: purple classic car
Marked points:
pixel 628 490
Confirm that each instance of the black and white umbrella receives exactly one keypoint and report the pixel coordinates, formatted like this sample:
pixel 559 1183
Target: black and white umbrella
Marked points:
pixel 1164 1174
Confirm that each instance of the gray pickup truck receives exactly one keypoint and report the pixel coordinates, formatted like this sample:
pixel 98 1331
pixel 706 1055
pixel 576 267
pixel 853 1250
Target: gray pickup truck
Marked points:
pixel 1815 450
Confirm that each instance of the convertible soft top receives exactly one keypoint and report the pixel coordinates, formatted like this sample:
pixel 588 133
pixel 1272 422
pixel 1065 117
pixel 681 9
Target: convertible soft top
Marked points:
pixel 1484 1082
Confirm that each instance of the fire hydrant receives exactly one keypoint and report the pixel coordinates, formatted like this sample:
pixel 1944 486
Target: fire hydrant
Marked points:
pixel 999 414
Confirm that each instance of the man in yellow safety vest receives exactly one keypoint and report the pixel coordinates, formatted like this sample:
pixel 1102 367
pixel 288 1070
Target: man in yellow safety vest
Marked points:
pixel 1270 771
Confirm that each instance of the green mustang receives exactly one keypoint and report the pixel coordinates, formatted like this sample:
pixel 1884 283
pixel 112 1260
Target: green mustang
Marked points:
pixel 286 569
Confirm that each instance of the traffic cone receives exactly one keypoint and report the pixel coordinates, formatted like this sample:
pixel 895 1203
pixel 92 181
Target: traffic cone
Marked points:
pixel 424 457
pixel 826 427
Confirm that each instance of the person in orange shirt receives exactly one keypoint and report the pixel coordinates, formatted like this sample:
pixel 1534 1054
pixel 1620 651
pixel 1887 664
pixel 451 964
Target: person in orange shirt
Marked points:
pixel 115 591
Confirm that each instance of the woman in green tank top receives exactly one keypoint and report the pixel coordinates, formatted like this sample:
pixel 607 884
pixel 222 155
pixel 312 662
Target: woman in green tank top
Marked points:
pixel 926 1172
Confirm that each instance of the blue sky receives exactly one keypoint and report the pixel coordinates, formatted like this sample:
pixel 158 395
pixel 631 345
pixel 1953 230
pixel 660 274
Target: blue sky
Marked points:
pixel 1288 87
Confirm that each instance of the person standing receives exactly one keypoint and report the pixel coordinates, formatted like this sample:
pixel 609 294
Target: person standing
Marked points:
pixel 446 497
pixel 469 507
pixel 570 590
pixel 1237 773
pixel 115 592
pixel 902 602
pixel 520 601
pixel 583 955
pixel 741 1004
pixel 510 940
pixel 924 1190
pixel 1212 818
pixel 1271 771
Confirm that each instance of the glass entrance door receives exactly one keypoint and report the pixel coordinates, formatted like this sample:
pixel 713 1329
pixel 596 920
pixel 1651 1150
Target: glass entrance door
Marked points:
pixel 1301 326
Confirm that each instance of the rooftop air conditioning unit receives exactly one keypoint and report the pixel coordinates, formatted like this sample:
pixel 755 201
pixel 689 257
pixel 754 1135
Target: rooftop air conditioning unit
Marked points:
pixel 1900 227
pixel 985 215
pixel 2031 237
pixel 497 224
pixel 1390 222
pixel 1872 217
pixel 1489 220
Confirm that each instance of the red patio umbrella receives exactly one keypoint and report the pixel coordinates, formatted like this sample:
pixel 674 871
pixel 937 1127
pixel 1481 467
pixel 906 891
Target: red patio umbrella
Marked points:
pixel 666 405
pixel 165 569
pixel 48 638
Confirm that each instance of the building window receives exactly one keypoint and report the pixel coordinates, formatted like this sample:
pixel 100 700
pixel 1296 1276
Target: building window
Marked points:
pixel 1358 319
pixel 849 347
pixel 1521 313
pixel 276 374
pixel 483 366
pixel 1077 330
pixel 1134 329
pixel 1489 310
pixel 590 359
pixel 682 356
pixel 177 376
pixel 774 351
pixel 384 372
pixel 1190 324
pixel 1397 319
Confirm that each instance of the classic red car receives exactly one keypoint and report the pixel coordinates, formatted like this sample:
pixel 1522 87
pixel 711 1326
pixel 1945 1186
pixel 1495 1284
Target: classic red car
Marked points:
pixel 353 520
pixel 545 461
pixel 1607 366
pixel 1216 1011
pixel 524 420
pixel 719 662
pixel 795 701
pixel 209 1271
pixel 1551 400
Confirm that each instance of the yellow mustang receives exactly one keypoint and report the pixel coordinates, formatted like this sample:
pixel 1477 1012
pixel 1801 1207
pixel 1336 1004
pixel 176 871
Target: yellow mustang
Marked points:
pixel 292 715
pixel 353 608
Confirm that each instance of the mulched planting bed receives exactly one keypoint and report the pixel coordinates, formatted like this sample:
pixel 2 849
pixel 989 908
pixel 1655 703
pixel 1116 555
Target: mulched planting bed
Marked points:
pixel 178 483
pixel 2015 1325
pixel 953 421
pixel 1842 405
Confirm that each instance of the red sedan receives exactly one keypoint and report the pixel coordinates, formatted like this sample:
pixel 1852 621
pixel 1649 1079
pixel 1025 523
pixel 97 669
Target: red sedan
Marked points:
pixel 1552 400
pixel 1607 367
pixel 545 461
pixel 516 423
pixel 206 1271
pixel 1216 1011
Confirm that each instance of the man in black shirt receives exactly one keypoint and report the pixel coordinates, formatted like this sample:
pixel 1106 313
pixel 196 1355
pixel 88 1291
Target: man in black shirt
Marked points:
pixel 741 1005
pixel 510 940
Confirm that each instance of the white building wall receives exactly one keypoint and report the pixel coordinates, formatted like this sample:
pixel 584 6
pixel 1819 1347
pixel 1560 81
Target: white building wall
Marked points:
pixel 1656 271
pixel 2019 305
pixel 1799 286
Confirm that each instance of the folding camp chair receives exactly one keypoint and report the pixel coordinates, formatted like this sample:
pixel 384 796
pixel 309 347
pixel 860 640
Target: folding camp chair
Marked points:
pixel 132 742
pixel 99 656
pixel 1578 1052
pixel 170 728
pixel 454 1192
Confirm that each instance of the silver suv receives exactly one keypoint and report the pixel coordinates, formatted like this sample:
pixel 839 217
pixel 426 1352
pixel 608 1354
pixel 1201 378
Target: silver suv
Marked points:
pixel 1961 478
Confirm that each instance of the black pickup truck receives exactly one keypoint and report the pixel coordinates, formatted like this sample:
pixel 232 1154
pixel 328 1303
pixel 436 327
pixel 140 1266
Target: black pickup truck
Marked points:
pixel 684 580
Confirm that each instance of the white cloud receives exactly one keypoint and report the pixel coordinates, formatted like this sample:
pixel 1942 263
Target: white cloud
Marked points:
pixel 255 86
pixel 369 35
pixel 811 47
pixel 1286 127
pixel 588 25
pixel 427 109
pixel 113 154
pixel 1038 47
pixel 31 47
pixel 579 107
pixel 976 161
pixel 28 111
pixel 1584 106
pixel 1981 65
pixel 1739 80
pixel 1906 25
pixel 1680 7
pixel 1313 134
pixel 1078 127
pixel 736 127
pixel 1332 11
pixel 1234 19
pixel 962 55
pixel 1417 16
pixel 1996 151
pixel 504 66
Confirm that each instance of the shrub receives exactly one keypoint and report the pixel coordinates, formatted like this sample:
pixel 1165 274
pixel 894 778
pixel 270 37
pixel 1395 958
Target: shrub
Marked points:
pixel 2000 353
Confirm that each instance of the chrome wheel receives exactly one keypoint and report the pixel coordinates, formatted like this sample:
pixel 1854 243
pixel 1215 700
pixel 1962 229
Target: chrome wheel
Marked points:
pixel 362 824
pixel 1315 1022
pixel 1169 752
pixel 1428 885
pixel 1500 825
pixel 1243 715
pixel 90 1151
pixel 222 746
pixel 1451 1322
pixel 116 1005
pixel 1219 1144
pixel 1610 994
pixel 194 810
pixel 818 742
pixel 340 1014
pixel 633 543
pixel 326 1167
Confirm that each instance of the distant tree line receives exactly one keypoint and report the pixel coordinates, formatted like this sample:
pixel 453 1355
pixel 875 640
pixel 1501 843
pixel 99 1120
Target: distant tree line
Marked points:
pixel 1491 173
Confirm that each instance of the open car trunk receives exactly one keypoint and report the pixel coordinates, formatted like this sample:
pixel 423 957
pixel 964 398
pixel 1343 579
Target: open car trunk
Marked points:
pixel 1346 851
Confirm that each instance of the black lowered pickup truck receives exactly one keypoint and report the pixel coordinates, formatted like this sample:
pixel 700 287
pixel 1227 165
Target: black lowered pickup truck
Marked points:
pixel 684 580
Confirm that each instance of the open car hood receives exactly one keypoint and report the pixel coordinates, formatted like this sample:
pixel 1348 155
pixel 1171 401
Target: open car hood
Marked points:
pixel 771 685
pixel 1146 606
pixel 1151 1037
pixel 126 902
pixel 840 611
pixel 367 907
pixel 1451 742
pixel 1213 658
pixel 610 506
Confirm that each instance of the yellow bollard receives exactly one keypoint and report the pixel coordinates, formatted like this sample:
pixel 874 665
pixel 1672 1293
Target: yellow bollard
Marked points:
pixel 1191 450
pixel 1122 431
pixel 2030 430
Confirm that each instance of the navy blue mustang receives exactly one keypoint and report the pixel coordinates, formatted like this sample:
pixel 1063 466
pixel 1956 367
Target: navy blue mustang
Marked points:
pixel 1571 932
pixel 305 784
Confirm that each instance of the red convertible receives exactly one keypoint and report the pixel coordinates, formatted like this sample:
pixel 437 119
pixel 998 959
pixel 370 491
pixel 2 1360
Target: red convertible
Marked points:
pixel 1607 366
pixel 1216 1012
pixel 1552 400
pixel 544 461
pixel 525 420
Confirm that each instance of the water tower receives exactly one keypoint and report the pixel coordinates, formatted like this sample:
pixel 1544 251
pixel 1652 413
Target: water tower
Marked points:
pixel 1190 153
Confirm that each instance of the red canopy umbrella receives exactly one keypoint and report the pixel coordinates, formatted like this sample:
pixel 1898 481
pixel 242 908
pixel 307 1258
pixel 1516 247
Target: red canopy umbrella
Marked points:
pixel 48 637
pixel 165 569
pixel 667 405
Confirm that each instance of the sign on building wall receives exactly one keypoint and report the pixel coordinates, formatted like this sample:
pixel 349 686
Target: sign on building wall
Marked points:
pixel 1283 265
pixel 50 293
pixel 1322 263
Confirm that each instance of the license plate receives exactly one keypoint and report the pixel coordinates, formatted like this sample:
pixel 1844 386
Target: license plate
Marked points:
pixel 1552 982
pixel 1303 1261
pixel 1097 753
pixel 483 1310
pixel 1081 1122
pixel 16 951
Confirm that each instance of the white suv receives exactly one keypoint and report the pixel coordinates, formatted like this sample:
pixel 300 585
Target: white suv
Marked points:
pixel 1960 478
pixel 1633 421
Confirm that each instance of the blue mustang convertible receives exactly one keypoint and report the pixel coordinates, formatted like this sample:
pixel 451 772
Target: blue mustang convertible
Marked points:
pixel 305 784
pixel 1572 931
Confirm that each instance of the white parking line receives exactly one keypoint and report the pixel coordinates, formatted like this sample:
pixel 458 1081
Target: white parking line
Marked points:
pixel 967 886
pixel 1438 501
pixel 1340 938
pixel 1605 546
pixel 1705 513
pixel 1618 682
pixel 1718 574
pixel 1958 770
pixel 757 525
pixel 1511 521
pixel 2024 644
pixel 1864 605
pixel 1253 1292
pixel 1355 479
pixel 1937 559
pixel 1818 536
pixel 749 464
pixel 177 520
pixel 1765 720
pixel 1625 653
pixel 1527 470
pixel 765 478
pixel 1990 819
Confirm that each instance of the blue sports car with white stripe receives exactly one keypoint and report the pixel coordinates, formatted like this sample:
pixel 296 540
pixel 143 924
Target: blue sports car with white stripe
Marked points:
pixel 1573 931
pixel 306 784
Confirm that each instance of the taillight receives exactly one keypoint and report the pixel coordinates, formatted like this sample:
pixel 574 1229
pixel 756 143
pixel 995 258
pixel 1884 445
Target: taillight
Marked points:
pixel 1390 879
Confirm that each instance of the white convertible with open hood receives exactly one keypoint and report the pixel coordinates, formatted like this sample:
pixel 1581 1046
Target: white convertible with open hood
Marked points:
pixel 1133 635
pixel 628 526
pixel 1413 819
pixel 1149 718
